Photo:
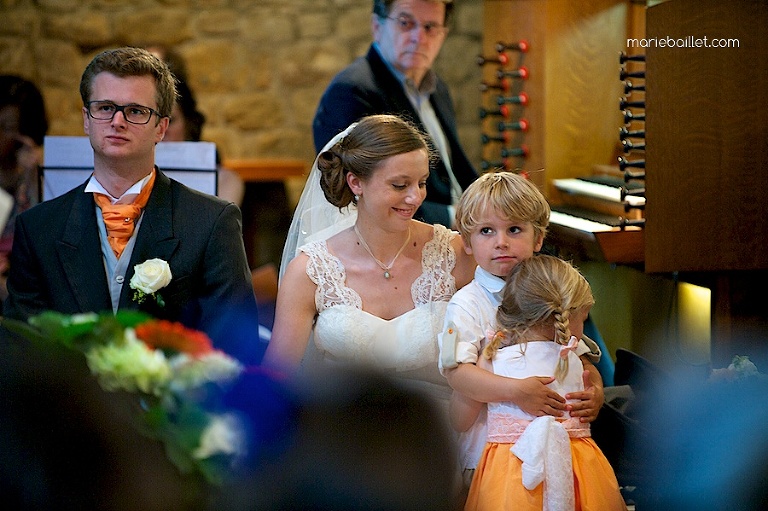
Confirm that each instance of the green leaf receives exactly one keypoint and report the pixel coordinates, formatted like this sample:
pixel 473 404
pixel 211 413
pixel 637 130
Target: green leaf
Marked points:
pixel 62 328
pixel 181 435
pixel 214 468
pixel 156 418
pixel 179 456
pixel 23 329
pixel 131 318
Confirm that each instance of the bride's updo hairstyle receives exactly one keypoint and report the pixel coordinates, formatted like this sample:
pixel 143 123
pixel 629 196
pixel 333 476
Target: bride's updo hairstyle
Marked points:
pixel 374 139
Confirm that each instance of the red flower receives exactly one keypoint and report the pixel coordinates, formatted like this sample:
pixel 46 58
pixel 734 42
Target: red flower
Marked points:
pixel 167 335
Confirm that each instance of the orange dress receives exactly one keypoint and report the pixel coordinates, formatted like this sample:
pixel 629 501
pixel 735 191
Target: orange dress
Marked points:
pixel 563 469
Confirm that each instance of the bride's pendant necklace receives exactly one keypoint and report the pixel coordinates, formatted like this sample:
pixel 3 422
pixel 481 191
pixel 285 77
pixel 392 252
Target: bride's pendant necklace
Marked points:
pixel 385 267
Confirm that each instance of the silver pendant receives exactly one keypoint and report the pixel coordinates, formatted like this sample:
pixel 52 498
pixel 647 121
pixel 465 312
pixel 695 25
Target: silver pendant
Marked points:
pixel 387 275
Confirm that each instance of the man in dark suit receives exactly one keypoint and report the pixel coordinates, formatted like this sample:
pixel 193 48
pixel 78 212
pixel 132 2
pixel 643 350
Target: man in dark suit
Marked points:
pixel 69 257
pixel 395 77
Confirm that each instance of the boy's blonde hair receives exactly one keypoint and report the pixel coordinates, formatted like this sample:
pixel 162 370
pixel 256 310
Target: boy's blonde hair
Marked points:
pixel 542 290
pixel 508 194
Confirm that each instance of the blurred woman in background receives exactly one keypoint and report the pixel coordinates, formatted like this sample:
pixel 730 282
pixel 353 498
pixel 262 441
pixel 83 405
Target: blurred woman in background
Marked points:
pixel 23 125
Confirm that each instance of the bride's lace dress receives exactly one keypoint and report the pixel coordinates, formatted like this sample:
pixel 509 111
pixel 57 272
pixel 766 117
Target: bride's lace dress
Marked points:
pixel 405 346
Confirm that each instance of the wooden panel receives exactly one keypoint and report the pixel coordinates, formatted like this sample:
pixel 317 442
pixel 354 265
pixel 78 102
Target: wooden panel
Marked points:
pixel 574 85
pixel 623 247
pixel 510 21
pixel 584 40
pixel 261 169
pixel 707 137
pixel 616 247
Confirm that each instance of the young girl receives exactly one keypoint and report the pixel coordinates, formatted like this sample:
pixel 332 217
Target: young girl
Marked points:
pixel 529 462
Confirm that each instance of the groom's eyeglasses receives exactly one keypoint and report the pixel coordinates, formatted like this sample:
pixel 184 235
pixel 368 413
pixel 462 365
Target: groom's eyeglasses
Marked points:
pixel 106 110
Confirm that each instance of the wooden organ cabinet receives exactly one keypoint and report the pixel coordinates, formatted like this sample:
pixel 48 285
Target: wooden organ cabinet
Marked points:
pixel 706 170
pixel 704 123
pixel 572 114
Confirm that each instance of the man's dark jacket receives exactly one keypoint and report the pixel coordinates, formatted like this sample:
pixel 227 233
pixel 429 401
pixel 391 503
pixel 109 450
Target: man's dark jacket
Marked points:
pixel 57 264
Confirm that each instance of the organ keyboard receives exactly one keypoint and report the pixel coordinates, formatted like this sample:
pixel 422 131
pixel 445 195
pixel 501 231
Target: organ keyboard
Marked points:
pixel 583 239
pixel 576 220
pixel 599 193
pixel 587 220
pixel 591 188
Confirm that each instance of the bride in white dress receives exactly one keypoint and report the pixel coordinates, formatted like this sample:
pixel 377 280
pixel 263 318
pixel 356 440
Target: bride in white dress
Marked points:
pixel 368 283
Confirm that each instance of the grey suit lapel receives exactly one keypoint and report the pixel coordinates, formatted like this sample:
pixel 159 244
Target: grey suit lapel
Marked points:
pixel 79 251
pixel 155 238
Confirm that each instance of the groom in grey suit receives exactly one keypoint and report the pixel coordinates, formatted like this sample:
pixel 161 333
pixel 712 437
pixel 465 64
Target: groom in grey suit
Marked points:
pixel 63 258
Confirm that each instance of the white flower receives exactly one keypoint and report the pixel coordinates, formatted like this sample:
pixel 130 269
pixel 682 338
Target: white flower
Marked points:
pixel 192 372
pixel 130 366
pixel 743 367
pixel 740 368
pixel 151 275
pixel 223 435
pixel 83 318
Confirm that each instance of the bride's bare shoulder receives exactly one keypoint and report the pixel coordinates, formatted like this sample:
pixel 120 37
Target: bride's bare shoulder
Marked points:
pixel 423 230
pixel 339 243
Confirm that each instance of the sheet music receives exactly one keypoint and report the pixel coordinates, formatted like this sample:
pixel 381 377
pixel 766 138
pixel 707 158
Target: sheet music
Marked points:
pixel 186 155
pixel 67 152
pixel 76 153
pixel 68 161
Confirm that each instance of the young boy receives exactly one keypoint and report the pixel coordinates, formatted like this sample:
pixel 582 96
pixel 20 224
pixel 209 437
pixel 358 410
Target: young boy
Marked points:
pixel 502 218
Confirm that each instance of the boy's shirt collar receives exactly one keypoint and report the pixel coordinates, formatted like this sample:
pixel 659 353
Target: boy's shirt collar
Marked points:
pixel 489 281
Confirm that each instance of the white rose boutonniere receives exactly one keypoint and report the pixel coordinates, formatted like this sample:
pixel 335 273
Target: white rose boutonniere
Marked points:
pixel 148 278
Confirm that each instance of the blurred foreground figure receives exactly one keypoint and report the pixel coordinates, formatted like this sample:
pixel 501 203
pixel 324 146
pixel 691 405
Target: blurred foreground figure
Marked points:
pixel 65 444
pixel 358 441
pixel 708 447
pixel 354 441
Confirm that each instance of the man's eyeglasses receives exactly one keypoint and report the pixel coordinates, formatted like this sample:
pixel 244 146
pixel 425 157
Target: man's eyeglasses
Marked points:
pixel 407 23
pixel 106 110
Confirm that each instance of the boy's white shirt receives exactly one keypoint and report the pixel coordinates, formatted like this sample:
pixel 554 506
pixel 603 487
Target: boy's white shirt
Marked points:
pixel 471 312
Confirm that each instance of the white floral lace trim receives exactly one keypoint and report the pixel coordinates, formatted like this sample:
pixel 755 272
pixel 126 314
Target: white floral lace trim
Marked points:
pixel 435 284
pixel 328 273
pixel 504 428
pixel 545 452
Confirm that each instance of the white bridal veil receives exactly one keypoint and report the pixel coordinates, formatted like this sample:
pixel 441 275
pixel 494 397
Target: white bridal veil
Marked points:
pixel 315 218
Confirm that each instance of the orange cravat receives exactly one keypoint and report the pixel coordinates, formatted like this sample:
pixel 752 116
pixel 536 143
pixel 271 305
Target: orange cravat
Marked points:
pixel 120 219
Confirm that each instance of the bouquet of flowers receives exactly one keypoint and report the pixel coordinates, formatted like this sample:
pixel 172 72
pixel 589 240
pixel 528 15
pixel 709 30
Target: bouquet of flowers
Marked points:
pixel 740 368
pixel 171 370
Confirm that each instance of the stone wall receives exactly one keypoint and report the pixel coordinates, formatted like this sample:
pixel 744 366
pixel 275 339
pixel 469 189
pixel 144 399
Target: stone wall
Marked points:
pixel 258 67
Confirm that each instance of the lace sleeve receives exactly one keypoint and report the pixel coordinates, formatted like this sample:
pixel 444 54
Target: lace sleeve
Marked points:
pixel 436 283
pixel 328 273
